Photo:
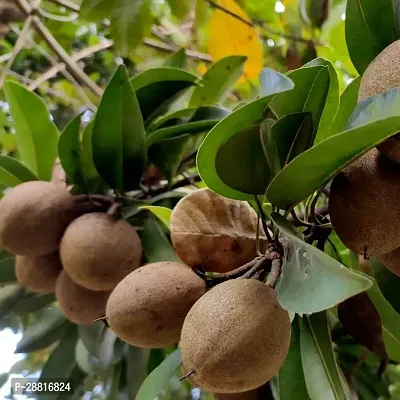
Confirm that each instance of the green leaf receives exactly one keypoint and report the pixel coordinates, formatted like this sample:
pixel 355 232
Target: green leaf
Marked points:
pixel 48 329
pixel 272 82
pixel 373 121
pixel 388 283
pixel 156 245
pixel 157 88
pixel 160 377
pixel 322 374
pixel 311 281
pixel 312 88
pixel 367 35
pixel 292 135
pixel 130 20
pixel 86 362
pixel 167 154
pixel 114 387
pixel 3 379
pixel 137 361
pixel 390 323
pixel 239 120
pixel 13 173
pixel 7 268
pixel 162 213
pixel 177 60
pixel 250 172
pixel 332 100
pixel 348 102
pixel 9 296
pixel 217 81
pixel 36 134
pixel 62 361
pixel 292 383
pixel 33 302
pixel 180 8
pixel 118 136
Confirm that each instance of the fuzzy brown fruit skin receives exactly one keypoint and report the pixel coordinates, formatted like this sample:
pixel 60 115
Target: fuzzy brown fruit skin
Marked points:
pixel 391 261
pixel 80 305
pixel 97 251
pixel 381 75
pixel 148 307
pixel 38 274
pixel 364 206
pixel 33 218
pixel 235 338
pixel 214 233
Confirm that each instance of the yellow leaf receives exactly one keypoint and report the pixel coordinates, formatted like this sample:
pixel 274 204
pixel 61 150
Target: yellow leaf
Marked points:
pixel 230 36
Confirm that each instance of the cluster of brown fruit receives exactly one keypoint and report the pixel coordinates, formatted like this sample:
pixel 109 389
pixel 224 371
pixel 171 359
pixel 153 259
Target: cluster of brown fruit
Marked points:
pixel 233 337
pixel 364 198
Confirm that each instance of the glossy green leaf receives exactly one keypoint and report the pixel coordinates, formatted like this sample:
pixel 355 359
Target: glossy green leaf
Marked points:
pixel 373 121
pixel 9 297
pixel 217 81
pixel 115 383
pixel 311 281
pixel 332 100
pixel 156 245
pixel 33 302
pixel 62 361
pixel 36 134
pixel 49 328
pixel 7 268
pixel 388 283
pixel 312 89
pixel 167 154
pixel 91 336
pixel 137 360
pixel 118 136
pixel 13 172
pixel 390 323
pixel 270 81
pixel 160 377
pixel 70 151
pixel 292 135
pixel 3 379
pixel 367 35
pixel 250 172
pixel 292 383
pixel 348 102
pixel 177 60
pixel 156 89
pixel 130 20
pixel 322 374
pixel 239 120
pixel 162 213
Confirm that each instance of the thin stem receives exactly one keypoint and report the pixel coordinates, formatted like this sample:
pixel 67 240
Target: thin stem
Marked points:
pixel 59 18
pixel 258 252
pixel 113 209
pixel 263 219
pixel 67 4
pixel 313 205
pixel 187 375
pixel 275 273
pixel 298 220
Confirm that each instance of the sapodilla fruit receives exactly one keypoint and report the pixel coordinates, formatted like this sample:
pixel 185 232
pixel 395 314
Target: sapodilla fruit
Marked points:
pixel 80 305
pixel 40 273
pixel 391 261
pixel 98 250
pixel 214 233
pixel 381 75
pixel 148 307
pixel 364 206
pixel 223 354
pixel 33 217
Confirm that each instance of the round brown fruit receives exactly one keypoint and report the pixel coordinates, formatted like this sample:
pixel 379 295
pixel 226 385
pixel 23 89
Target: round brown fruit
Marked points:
pixel 364 206
pixel 38 274
pixel 148 307
pixel 33 218
pixel 214 233
pixel 226 355
pixel 381 75
pixel 391 261
pixel 97 251
pixel 80 305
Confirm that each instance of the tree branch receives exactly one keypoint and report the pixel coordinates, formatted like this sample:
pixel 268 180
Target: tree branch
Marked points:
pixel 67 4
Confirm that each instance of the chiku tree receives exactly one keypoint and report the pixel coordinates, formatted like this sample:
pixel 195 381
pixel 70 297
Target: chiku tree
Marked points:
pixel 252 252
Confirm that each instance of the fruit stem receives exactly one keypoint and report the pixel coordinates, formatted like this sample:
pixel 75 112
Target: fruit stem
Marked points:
pixel 187 375
pixel 113 209
pixel 263 219
pixel 275 273
pixel 104 319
